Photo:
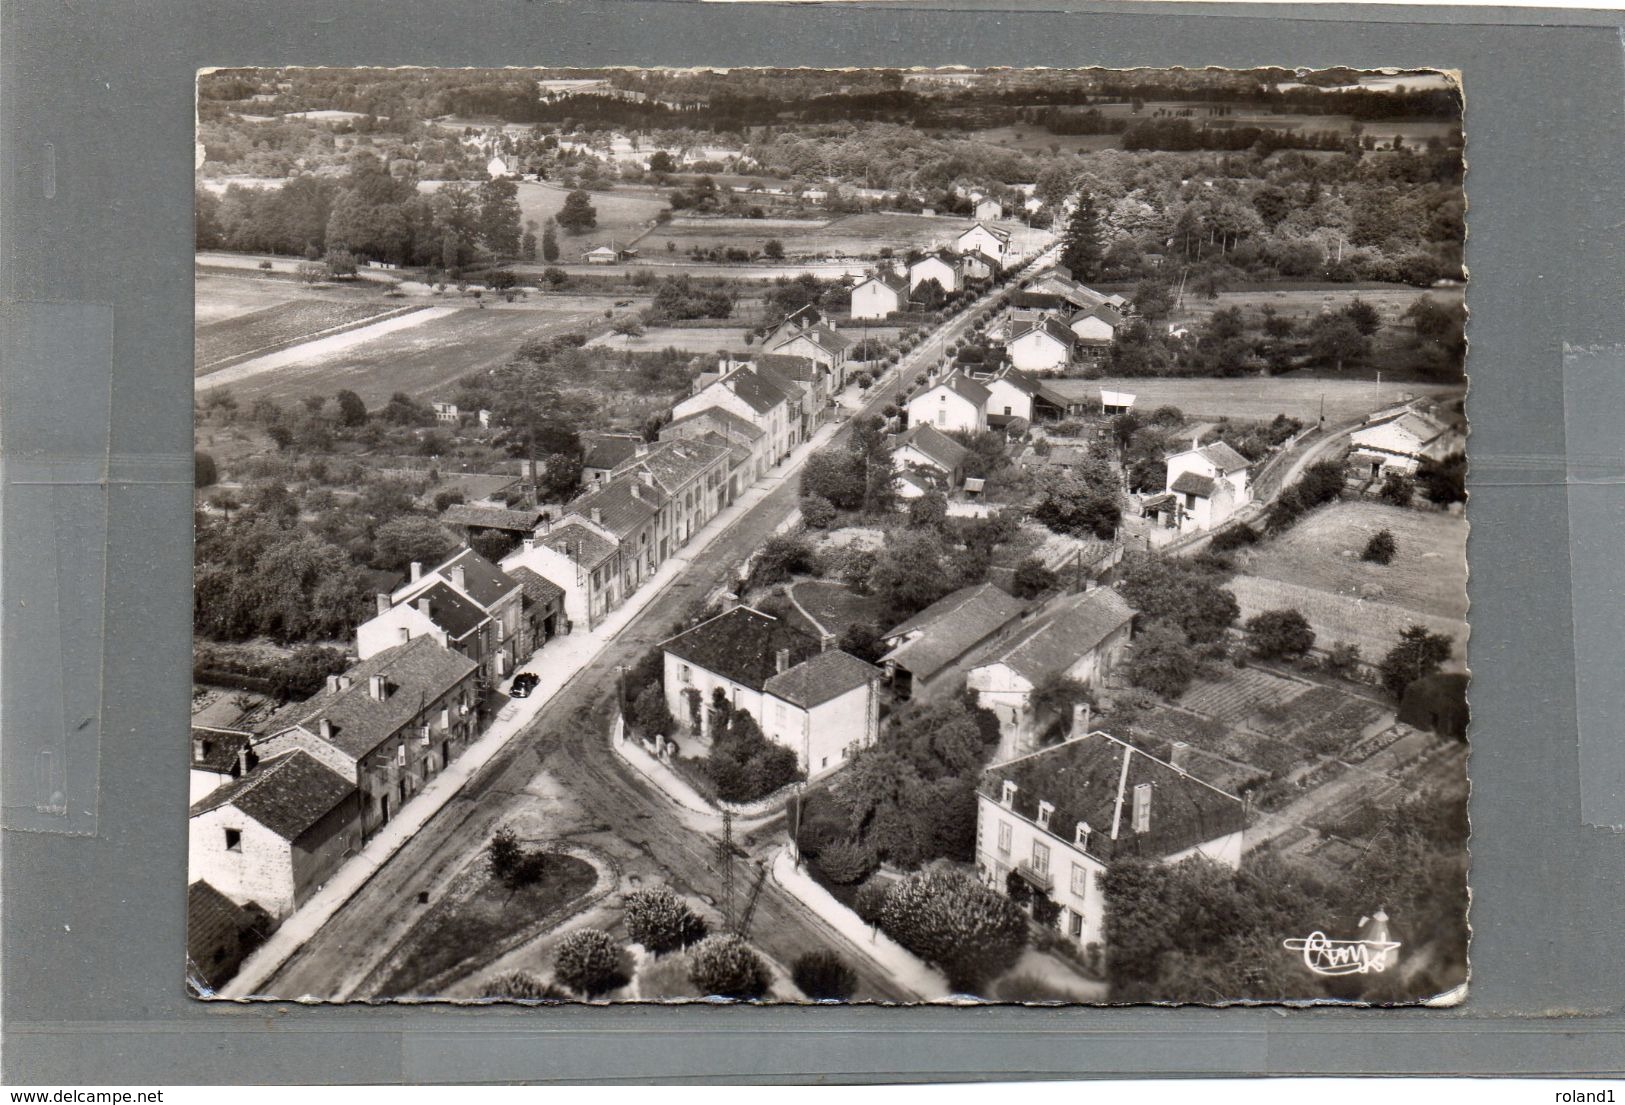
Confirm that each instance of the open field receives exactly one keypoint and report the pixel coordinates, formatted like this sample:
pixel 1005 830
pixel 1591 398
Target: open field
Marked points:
pixel 622 215
pixel 847 236
pixel 1323 551
pixel 1304 303
pixel 420 359
pixel 1371 625
pixel 278 324
pixel 1248 397
pixel 699 339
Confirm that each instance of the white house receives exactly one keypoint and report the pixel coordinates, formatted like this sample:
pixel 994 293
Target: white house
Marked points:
pixel 988 209
pixel 275 835
pixel 820 343
pixel 1078 636
pixel 879 295
pixel 1044 346
pixel 1401 443
pixel 753 397
pixel 1011 394
pixel 445 412
pixel 467 604
pixel 820 703
pixel 925 446
pixel 1058 819
pixel 1206 485
pixel 955 402
pixel 497 168
pixel 944 272
pixel 991 242
pixel 1097 325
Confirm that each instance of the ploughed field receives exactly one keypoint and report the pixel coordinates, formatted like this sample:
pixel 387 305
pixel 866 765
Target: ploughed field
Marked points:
pixel 279 324
pixel 1251 398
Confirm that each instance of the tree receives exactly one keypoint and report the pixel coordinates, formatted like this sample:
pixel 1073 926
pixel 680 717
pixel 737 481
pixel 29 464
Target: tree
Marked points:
pixel 946 916
pixel 527 244
pixel 550 244
pixel 560 478
pixel 204 471
pixel 661 921
pixel 909 574
pixel 836 475
pixel 518 986
pixel 660 162
pixel 773 249
pixel 1418 654
pixel 824 976
pixel 1279 634
pixel 578 215
pixel 401 541
pixel 847 861
pixel 724 966
pixel 782 556
pixel 929 511
pixel 650 715
pixel 1398 489
pixel 1057 693
pixel 511 864
pixel 1082 246
pixel 588 961
pixel 1076 505
pixel 352 411
pixel 1032 579
pixel 1381 548
pixel 1443 482
pixel 1162 661
pixel 1366 318
pixel 817 512
pixel 1342 660
pixel 341 264
pixel 1335 340
pixel 499 217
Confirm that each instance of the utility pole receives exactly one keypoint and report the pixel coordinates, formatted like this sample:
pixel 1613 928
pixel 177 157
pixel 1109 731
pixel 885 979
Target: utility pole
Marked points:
pixel 726 854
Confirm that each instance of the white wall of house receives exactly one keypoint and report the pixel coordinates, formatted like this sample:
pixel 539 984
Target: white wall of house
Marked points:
pixel 258 868
pixel 1008 693
pixel 825 737
pixel 1230 493
pixel 946 409
pixel 1004 839
pixel 908 456
pixel 1008 399
pixel 1038 351
pixel 202 783
pixel 681 675
pixel 400 623
pixel 553 565
pixel 933 268
pixel 978 239
pixel 1092 328
pixel 873 299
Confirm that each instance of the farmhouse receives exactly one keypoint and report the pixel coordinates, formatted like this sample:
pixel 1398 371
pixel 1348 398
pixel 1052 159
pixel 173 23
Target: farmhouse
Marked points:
pixel 926 654
pixel 955 402
pixel 879 294
pixel 1014 395
pixel 387 726
pixel 274 836
pixel 1042 346
pixel 990 242
pixel 925 446
pixel 1059 818
pixel 1078 636
pixel 1054 288
pixel 819 702
pixel 1401 443
pixel 467 604
pixel 1206 485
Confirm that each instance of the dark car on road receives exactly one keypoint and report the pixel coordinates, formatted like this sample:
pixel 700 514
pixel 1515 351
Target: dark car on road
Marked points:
pixel 523 684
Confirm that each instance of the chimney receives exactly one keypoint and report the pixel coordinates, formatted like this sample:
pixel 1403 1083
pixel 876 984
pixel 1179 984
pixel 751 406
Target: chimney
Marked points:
pixel 597 516
pixel 375 687
pixel 530 542
pixel 332 683
pixel 325 728
pixel 383 603
pixel 781 660
pixel 637 493
pixel 825 640
pixel 344 682
pixel 1176 754
pixel 417 570
pixel 646 476
pixel 1142 808
pixel 406 634
pixel 243 762
pixel 459 578
pixel 1080 720
pixel 1196 439
pixel 423 606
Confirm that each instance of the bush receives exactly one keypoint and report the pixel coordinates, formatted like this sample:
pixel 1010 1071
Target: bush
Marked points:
pixel 1279 634
pixel 205 473
pixel 1381 548
pixel 724 966
pixel 781 557
pixel 650 717
pixel 744 765
pixel 1032 579
pixel 824 976
pixel 817 512
pixel 1342 660
pixel 661 921
pixel 518 986
pixel 1236 537
pixel 588 961
pixel 1397 489
pixel 945 915
pixel 869 903
pixel 1162 661
pixel 511 864
pixel 847 861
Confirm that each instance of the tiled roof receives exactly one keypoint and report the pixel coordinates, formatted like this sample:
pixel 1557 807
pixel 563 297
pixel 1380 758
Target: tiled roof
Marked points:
pixel 452 612
pixel 759 393
pixel 938 446
pixel 1103 311
pixel 287 794
pixel 961 385
pixel 1085 780
pixel 742 645
pixel 483 581
pixel 1002 235
pixel 610 451
pixel 216 928
pixel 582 545
pixel 789 366
pixel 718 416
pixel 1192 483
pixel 219 748
pixel 821 678
pixel 1224 458
pixel 951 627
pixel 1063 634
pixel 415 673
pixel 892 280
pixel 490 517
pixel 538 588
pixel 1018 380
pixel 1048 326
pixel 624 504
pixel 674 463
pixel 825 337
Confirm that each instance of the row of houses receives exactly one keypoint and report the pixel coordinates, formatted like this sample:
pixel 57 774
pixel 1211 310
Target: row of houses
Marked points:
pixel 975 255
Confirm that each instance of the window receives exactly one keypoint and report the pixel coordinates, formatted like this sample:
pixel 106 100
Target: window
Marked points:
pixel 1080 881
pixel 400 754
pixel 234 840
pixel 824 762
pixel 1007 797
pixel 1044 810
pixel 688 676
pixel 1004 838
pixel 1077 925
pixel 1040 857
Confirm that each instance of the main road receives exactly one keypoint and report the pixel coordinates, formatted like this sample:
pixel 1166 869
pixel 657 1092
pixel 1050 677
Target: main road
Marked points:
pixel 565 753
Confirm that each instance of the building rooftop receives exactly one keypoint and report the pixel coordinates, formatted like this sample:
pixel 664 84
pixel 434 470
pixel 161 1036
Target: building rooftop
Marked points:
pixel 821 678
pixel 539 590
pixel 491 517
pixel 961 385
pixel 1192 483
pixel 216 750
pixel 742 646
pixel 729 422
pixel 216 928
pixel 585 546
pixel 624 505
pixel 1094 779
pixel 951 627
pixel 758 392
pixel 936 445
pixel 608 452
pixel 414 673
pixel 287 794
pixel 1061 635
pixel 454 613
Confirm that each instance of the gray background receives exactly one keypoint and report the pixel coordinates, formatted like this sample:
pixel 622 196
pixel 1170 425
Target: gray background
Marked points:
pixel 96 239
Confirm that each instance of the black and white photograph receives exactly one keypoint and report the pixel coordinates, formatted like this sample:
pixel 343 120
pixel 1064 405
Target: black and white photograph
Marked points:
pixel 899 536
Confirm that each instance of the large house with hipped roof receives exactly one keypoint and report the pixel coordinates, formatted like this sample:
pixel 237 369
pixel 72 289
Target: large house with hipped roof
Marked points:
pixel 1060 818
pixel 819 702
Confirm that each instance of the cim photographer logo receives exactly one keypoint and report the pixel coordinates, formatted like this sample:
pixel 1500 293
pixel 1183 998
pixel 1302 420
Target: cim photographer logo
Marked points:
pixel 1372 953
